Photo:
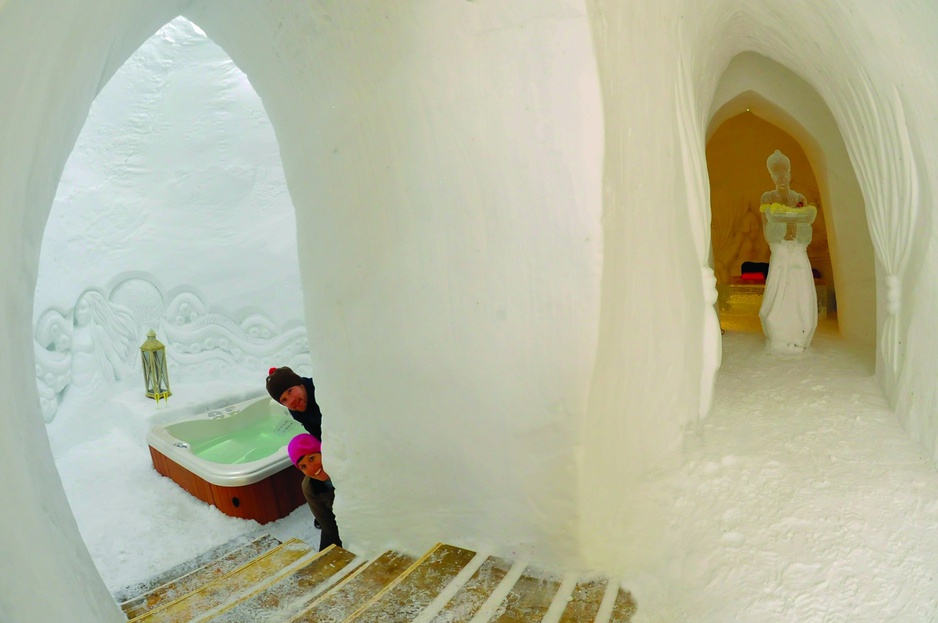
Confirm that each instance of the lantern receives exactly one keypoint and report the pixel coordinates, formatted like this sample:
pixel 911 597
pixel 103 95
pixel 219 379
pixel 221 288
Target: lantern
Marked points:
pixel 155 372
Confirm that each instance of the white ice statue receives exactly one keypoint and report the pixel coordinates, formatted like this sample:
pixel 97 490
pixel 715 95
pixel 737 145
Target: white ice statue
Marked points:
pixel 789 306
pixel 102 338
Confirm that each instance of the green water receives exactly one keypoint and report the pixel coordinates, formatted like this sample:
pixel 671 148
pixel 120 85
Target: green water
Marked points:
pixel 250 443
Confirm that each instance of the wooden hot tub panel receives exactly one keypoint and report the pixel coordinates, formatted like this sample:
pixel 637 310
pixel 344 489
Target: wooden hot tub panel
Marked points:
pixel 264 501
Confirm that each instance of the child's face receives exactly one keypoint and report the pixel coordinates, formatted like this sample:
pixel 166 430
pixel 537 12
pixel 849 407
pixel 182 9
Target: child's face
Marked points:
pixel 311 465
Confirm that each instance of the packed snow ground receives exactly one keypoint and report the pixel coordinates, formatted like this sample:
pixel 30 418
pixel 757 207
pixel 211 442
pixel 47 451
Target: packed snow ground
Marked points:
pixel 799 499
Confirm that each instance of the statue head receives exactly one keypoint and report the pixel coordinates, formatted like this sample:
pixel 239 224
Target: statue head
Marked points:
pixel 91 309
pixel 779 168
pixel 84 310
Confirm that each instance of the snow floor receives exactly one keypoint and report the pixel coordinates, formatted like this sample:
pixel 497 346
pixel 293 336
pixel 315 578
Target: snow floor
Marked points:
pixel 800 499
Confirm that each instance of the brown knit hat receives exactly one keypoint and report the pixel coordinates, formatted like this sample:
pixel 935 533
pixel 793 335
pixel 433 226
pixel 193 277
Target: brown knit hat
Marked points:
pixel 280 380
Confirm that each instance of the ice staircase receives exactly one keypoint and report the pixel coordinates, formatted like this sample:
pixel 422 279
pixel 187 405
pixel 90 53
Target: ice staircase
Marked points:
pixel 265 580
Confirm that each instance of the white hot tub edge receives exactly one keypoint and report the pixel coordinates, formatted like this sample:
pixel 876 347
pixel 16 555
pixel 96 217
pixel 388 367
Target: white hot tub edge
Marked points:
pixel 161 438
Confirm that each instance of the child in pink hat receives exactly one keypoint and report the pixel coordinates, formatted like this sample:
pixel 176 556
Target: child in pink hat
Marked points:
pixel 306 453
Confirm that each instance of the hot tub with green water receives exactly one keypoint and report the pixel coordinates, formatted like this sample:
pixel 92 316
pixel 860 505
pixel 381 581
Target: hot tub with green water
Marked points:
pixel 232 446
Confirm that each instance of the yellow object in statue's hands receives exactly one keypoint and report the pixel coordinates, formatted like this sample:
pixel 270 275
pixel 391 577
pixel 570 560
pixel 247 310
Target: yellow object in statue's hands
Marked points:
pixel 783 212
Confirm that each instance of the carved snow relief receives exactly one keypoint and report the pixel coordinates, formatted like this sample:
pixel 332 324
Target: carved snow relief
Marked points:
pixel 92 346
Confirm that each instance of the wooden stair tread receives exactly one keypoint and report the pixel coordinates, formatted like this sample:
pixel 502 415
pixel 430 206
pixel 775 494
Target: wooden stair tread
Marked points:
pixel 470 597
pixel 529 599
pixel 624 607
pixel 406 597
pixel 189 582
pixel 584 601
pixel 252 577
pixel 343 600
pixel 142 587
pixel 265 581
pixel 293 593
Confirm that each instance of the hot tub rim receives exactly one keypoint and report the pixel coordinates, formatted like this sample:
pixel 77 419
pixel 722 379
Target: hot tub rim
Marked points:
pixel 220 474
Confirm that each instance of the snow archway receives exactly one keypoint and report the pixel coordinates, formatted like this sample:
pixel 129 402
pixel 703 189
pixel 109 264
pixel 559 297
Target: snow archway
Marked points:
pixel 736 154
pixel 172 207
pixel 753 82
pixel 661 90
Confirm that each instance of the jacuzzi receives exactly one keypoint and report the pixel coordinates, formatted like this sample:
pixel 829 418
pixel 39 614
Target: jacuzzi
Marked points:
pixel 233 457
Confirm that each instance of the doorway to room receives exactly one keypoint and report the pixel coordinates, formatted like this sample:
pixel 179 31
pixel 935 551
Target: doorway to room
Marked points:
pixel 736 159
pixel 760 106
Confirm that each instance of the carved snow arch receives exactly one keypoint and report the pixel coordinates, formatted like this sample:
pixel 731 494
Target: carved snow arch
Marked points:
pixel 880 140
pixel 775 94
pixel 202 318
pixel 881 146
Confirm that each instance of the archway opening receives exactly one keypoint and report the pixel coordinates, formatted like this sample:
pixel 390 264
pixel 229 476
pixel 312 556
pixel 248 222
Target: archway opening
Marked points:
pixel 736 157
pixel 763 98
pixel 172 213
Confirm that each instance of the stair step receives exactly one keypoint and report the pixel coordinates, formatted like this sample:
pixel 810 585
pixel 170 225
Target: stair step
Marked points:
pixel 469 599
pixel 241 583
pixel 209 571
pixel 584 601
pixel 529 599
pixel 137 589
pixel 272 582
pixel 295 592
pixel 406 597
pixel 359 587
pixel 623 608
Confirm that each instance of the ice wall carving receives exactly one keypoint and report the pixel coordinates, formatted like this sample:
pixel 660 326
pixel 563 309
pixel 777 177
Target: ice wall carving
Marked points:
pixel 892 205
pixel 53 344
pixel 689 126
pixel 95 344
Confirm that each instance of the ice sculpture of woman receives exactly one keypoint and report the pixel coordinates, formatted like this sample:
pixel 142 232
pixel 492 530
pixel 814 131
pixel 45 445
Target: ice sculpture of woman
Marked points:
pixel 789 306
pixel 101 341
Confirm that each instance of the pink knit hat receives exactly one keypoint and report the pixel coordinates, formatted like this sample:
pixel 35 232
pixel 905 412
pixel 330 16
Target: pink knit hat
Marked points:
pixel 301 445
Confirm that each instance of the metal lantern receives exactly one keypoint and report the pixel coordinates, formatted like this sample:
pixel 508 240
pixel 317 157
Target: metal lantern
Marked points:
pixel 155 372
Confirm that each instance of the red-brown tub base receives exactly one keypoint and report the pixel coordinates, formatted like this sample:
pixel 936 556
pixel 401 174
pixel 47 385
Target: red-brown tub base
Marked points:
pixel 264 501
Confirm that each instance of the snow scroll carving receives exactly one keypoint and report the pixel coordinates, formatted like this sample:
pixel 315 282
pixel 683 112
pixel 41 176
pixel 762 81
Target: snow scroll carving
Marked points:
pixel 53 345
pixel 95 344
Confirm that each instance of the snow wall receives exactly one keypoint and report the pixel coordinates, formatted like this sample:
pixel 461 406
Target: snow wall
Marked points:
pixel 503 244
